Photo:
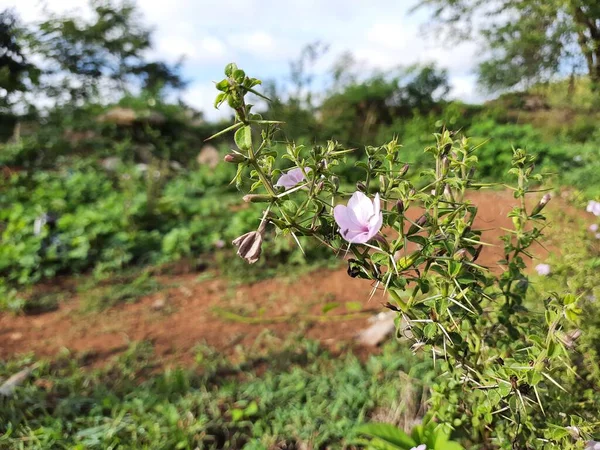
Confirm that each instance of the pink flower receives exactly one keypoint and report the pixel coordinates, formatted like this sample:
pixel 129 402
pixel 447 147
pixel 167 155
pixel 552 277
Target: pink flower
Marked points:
pixel 361 219
pixel 292 178
pixel 593 227
pixel 593 207
pixel 543 269
pixel 420 447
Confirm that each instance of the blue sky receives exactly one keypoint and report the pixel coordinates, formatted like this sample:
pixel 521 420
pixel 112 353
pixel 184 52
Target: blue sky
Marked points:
pixel 263 36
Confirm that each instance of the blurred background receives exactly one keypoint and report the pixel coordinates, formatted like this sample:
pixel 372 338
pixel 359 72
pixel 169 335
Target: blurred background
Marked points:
pixel 120 288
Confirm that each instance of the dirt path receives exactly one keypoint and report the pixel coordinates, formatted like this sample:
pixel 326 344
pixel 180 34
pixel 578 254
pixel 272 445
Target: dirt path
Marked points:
pixel 197 312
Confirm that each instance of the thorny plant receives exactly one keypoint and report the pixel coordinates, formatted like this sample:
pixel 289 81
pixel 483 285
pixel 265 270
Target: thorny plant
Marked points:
pixel 499 364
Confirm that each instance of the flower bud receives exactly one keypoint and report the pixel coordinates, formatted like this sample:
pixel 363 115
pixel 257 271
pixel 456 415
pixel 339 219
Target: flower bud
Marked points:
pixel 257 198
pixel 529 170
pixel 543 202
pixel 471 173
pixel 400 206
pixel 460 255
pixel 404 170
pixel 234 158
pixel 361 186
pixel 445 164
pixel 335 181
pixel 250 244
pixel 414 228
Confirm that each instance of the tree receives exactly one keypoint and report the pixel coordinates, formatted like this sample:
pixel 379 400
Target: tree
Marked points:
pixel 105 54
pixel 17 74
pixel 356 110
pixel 527 40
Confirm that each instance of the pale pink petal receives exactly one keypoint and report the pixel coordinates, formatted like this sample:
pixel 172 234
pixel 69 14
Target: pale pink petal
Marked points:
pixel 292 178
pixel 376 204
pixel 362 206
pixel 350 228
pixel 596 209
pixel 375 225
pixel 590 206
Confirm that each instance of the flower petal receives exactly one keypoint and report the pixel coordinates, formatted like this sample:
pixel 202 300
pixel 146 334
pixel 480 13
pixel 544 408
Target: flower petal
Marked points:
pixel 362 207
pixel 375 225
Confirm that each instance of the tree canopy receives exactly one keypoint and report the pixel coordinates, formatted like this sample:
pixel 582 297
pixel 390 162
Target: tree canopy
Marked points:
pixel 527 41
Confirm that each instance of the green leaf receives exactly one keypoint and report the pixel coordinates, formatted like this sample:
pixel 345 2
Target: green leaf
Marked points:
pixel 389 434
pixel 231 128
pixel 329 307
pixel 243 138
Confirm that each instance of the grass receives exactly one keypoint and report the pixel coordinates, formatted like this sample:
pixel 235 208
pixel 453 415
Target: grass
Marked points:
pixel 128 290
pixel 303 397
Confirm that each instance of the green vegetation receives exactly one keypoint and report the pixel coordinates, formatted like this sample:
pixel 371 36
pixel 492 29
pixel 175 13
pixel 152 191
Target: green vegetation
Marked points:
pixel 306 397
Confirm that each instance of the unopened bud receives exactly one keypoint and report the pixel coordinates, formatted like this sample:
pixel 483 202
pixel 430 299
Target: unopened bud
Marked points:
pixel 404 170
pixel 361 186
pixel 543 202
pixel 471 173
pixel 412 193
pixel 421 221
pixel 460 255
pixel 250 244
pixel 529 170
pixel 445 164
pixel 400 206
pixel 335 181
pixel 257 198
pixel 234 158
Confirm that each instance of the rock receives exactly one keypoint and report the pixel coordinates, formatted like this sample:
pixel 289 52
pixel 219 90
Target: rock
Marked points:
pixel 119 116
pixel 16 336
pixel 111 163
pixel 126 117
pixel 208 156
pixel 8 387
pixel 159 303
pixel 176 166
pixel 383 325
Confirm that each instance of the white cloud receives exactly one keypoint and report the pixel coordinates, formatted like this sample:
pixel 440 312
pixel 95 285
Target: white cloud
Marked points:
pixel 201 96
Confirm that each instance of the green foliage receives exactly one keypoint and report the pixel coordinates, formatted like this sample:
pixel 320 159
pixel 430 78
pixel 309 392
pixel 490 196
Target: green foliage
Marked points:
pixel 426 436
pixel 305 398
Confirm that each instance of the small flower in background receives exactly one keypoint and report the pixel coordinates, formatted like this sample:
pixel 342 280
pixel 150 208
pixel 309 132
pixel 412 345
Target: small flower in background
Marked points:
pixel 420 447
pixel 597 235
pixel 543 269
pixel 593 445
pixel 361 219
pixel 39 223
pixel 593 227
pixel 593 207
pixel 292 178
pixel 219 243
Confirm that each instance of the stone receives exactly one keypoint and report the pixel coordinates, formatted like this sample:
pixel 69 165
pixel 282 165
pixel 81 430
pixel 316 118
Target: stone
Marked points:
pixel 382 326
pixel 209 156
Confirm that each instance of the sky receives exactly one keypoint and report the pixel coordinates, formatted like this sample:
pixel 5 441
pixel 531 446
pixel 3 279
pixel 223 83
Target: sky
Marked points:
pixel 262 37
